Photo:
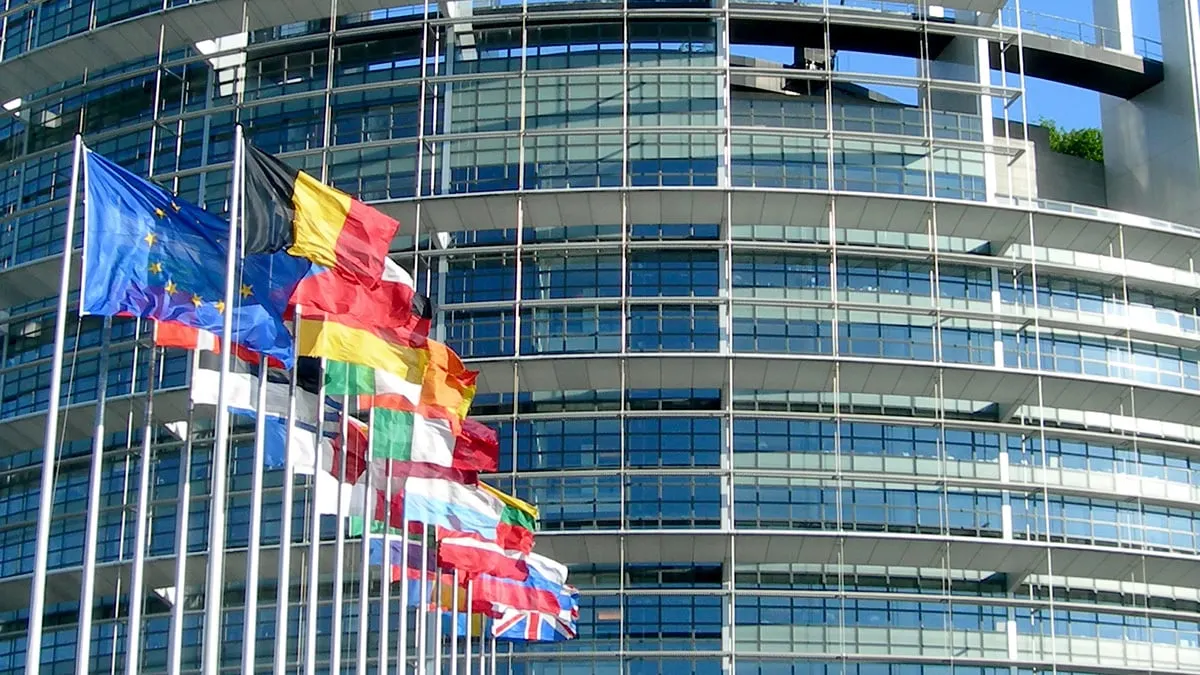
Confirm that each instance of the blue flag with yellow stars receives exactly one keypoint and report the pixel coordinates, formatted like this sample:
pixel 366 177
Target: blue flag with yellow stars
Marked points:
pixel 151 255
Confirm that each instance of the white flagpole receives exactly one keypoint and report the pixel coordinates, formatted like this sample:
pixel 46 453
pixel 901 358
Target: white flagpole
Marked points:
pixel 175 641
pixel 214 582
pixel 493 664
pixel 284 580
pixel 137 585
pixel 402 629
pixel 37 587
pixel 314 538
pixel 87 596
pixel 339 569
pixel 385 577
pixel 250 610
pixel 364 564
pixel 423 630
pixel 454 625
pixel 467 639
pixel 437 626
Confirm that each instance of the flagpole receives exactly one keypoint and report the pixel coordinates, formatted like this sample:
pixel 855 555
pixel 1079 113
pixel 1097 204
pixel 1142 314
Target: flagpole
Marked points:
pixel 250 610
pixel 454 625
pixel 314 536
pixel 87 595
pixel 175 641
pixel 423 631
pixel 137 586
pixel 385 577
pixel 284 578
pixel 339 569
pixel 467 638
pixel 37 588
pixel 402 629
pixel 437 625
pixel 493 664
pixel 364 564
pixel 214 582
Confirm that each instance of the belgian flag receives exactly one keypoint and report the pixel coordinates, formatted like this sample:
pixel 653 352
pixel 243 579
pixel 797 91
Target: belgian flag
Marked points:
pixel 290 209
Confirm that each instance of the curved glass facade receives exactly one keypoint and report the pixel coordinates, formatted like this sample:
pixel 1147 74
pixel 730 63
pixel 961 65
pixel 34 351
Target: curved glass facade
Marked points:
pixel 807 368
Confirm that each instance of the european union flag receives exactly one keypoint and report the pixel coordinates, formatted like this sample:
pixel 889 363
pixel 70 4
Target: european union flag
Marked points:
pixel 152 255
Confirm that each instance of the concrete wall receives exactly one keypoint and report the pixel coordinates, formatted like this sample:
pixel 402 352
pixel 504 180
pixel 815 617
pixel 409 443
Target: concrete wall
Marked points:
pixel 1058 177
pixel 1152 143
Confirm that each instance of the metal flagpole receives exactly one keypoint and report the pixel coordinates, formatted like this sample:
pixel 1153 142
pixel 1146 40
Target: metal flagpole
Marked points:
pixel 437 625
pixel 214 582
pixel 284 580
pixel 175 641
pixel 137 585
pixel 493 664
pixel 314 537
pixel 454 625
pixel 339 557
pixel 467 638
pixel 87 596
pixel 423 629
pixel 385 578
pixel 37 589
pixel 364 563
pixel 250 609
pixel 402 629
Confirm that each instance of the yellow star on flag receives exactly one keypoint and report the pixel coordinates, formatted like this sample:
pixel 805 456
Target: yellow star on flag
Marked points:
pixel 156 268
pixel 170 288
pixel 220 305
pixel 150 238
pixel 247 290
pixel 159 212
pixel 197 301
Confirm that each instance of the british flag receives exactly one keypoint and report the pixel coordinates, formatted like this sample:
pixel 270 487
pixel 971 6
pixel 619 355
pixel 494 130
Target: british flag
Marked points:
pixel 528 626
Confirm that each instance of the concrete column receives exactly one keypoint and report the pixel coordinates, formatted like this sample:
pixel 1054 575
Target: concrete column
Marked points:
pixel 1114 24
pixel 1152 142
pixel 967 60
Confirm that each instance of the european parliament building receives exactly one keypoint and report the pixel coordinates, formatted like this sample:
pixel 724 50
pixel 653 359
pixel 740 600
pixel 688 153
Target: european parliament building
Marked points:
pixel 815 355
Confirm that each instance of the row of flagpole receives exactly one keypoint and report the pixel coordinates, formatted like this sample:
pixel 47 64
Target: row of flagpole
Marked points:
pixel 427 635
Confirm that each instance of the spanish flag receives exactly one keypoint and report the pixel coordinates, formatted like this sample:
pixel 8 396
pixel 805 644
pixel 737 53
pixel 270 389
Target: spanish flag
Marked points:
pixel 289 209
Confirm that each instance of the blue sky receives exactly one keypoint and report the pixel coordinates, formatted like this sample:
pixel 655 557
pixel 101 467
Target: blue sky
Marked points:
pixel 1069 107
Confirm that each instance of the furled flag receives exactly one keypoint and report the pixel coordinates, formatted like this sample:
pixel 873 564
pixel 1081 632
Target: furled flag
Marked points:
pixel 529 626
pixel 152 255
pixel 289 209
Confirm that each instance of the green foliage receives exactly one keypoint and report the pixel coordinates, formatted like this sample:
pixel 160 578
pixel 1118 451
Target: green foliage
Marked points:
pixel 1085 143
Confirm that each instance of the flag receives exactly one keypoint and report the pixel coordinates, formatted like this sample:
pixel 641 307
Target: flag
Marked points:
pixel 179 336
pixel 478 445
pixel 393 305
pixel 383 506
pixel 527 626
pixel 518 521
pixel 543 590
pixel 439 502
pixel 424 393
pixel 472 556
pixel 151 255
pixel 290 209
pixel 241 388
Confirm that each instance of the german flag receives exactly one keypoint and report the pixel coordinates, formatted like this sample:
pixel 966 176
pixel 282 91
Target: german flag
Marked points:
pixel 289 209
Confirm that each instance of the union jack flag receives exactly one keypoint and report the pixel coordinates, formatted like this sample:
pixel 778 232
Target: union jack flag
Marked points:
pixel 528 626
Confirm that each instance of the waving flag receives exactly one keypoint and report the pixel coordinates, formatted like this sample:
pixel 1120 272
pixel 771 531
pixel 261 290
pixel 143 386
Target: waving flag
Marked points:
pixel 290 209
pixel 152 255
pixel 526 626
